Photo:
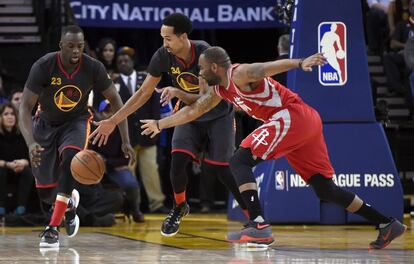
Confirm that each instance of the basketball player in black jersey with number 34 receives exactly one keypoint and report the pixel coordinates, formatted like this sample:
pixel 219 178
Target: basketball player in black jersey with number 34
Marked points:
pixel 61 83
pixel 179 58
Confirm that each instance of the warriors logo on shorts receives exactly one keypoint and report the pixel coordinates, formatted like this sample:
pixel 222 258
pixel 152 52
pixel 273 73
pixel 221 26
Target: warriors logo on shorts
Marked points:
pixel 67 97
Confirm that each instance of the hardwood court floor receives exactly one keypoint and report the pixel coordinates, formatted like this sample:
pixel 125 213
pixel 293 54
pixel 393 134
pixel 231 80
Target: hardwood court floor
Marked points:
pixel 202 240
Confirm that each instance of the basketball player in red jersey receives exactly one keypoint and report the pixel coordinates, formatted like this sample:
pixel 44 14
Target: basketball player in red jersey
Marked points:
pixel 291 128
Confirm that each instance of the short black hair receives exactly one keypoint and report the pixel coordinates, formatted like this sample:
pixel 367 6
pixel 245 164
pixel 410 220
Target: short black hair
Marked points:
pixel 181 23
pixel 218 56
pixel 71 29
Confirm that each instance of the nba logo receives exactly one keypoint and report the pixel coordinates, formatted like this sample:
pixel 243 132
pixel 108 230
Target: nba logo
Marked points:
pixel 332 43
pixel 280 180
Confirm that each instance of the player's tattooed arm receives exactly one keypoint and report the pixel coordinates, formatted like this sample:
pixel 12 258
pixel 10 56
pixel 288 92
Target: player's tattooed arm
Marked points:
pixel 187 114
pixel 254 72
pixel 193 111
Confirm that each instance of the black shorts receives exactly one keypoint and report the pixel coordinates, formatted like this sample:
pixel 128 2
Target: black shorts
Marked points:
pixel 211 141
pixel 54 139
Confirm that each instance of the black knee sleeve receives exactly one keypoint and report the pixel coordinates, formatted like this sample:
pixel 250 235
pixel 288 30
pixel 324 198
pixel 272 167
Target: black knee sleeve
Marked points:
pixel 178 174
pixel 328 191
pixel 66 180
pixel 47 195
pixel 223 173
pixel 241 165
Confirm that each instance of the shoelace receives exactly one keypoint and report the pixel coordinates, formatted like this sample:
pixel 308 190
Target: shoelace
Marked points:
pixel 175 213
pixel 47 230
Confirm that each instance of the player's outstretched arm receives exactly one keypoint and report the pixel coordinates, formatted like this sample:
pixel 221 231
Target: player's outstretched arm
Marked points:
pixel 205 103
pixel 247 73
pixel 115 100
pixel 105 127
pixel 170 92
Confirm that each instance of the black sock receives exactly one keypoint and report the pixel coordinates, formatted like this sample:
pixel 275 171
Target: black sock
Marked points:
pixel 372 215
pixel 252 202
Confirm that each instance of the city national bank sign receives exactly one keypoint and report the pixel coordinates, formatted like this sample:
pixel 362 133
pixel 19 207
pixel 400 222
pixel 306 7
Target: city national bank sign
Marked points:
pixel 150 13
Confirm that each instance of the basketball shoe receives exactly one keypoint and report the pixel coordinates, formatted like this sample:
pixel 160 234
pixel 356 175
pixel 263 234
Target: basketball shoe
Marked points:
pixel 387 234
pixel 171 223
pixel 71 218
pixel 254 233
pixel 49 238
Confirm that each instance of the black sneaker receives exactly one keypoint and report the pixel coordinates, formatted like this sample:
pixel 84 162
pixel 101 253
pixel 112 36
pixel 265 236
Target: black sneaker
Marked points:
pixel 387 234
pixel 171 224
pixel 49 237
pixel 71 219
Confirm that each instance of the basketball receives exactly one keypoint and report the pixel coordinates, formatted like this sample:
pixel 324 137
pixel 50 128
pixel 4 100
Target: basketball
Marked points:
pixel 87 167
pixel 340 54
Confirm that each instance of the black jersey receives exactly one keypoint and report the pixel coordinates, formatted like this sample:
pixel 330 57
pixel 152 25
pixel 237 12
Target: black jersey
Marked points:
pixel 63 96
pixel 185 75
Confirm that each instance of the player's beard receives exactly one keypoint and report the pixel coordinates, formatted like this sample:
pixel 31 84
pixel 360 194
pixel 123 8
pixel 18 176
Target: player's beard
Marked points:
pixel 214 80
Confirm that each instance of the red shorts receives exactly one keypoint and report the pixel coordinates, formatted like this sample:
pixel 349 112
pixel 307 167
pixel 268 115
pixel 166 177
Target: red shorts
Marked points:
pixel 295 133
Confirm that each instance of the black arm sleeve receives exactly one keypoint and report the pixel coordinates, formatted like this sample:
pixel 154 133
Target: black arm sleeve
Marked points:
pixel 102 80
pixel 158 63
pixel 38 78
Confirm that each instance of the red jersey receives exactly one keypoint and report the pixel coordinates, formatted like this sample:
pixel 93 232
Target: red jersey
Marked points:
pixel 263 102
pixel 290 127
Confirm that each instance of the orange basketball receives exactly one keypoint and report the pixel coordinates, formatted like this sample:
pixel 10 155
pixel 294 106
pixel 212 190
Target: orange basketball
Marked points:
pixel 87 167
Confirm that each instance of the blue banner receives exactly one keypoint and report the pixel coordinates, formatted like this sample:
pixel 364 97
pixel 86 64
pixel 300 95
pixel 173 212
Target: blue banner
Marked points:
pixel 217 14
pixel 341 89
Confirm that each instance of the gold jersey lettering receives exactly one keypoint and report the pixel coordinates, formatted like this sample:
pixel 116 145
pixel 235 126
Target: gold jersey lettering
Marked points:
pixel 175 70
pixel 56 81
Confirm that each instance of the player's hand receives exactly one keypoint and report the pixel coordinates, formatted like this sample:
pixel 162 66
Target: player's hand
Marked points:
pixel 150 127
pixel 167 94
pixel 315 60
pixel 35 152
pixel 19 165
pixel 102 132
pixel 129 153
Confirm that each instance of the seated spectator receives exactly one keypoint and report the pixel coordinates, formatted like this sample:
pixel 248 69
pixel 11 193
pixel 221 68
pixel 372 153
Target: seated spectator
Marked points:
pixel 97 207
pixel 376 24
pixel 397 11
pixel 394 64
pixel 409 60
pixel 3 97
pixel 106 54
pixel 117 170
pixel 15 98
pixel 14 160
pixel 283 45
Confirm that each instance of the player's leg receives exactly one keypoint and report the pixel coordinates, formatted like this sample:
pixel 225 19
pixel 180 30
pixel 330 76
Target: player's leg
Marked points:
pixel 257 230
pixel 179 179
pixel 72 137
pixel 186 144
pixel 64 203
pixel 220 149
pixel 311 161
pixel 389 228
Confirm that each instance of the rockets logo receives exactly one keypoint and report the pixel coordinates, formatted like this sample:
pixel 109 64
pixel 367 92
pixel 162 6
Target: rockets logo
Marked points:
pixel 332 43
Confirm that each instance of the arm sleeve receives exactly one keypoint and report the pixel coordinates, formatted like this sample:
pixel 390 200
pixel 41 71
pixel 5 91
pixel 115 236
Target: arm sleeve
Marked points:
pixel 37 79
pixel 102 79
pixel 158 63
